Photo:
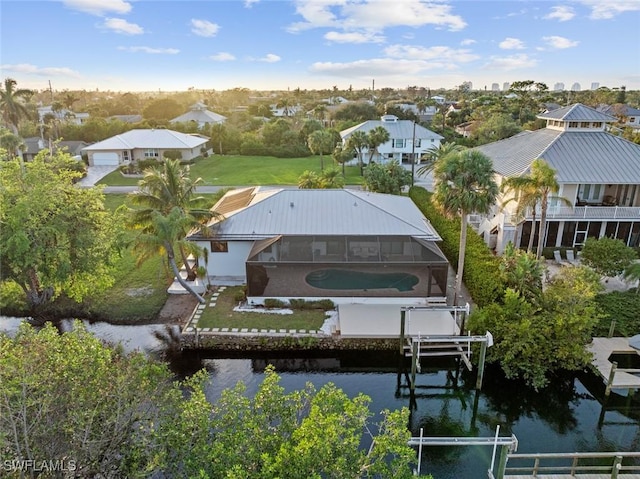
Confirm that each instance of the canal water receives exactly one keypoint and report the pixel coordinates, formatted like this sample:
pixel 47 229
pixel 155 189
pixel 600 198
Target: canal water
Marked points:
pixel 570 415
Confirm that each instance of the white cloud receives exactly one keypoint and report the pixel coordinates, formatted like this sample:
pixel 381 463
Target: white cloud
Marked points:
pixel 439 53
pixel 222 57
pixel 250 3
pixel 270 58
pixel 154 51
pixel 513 62
pixel 354 37
pixel 41 71
pixel 204 28
pixel 374 15
pixel 559 43
pixel 561 13
pixel 121 26
pixel 602 10
pixel 510 43
pixel 467 41
pixel 99 7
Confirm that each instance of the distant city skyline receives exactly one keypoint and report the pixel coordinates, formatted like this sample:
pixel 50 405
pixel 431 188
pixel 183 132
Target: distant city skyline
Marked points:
pixel 165 45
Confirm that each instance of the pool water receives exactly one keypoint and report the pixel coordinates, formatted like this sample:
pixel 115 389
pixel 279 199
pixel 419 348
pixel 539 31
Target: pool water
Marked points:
pixel 346 279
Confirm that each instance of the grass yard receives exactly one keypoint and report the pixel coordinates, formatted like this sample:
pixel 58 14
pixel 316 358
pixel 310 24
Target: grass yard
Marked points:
pixel 236 170
pixel 223 316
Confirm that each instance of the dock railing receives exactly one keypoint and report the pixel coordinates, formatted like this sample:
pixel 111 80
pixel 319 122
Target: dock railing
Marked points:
pixel 605 464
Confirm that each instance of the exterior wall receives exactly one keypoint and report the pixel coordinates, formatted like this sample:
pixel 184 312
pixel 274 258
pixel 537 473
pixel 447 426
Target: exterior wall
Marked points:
pixel 187 154
pixel 387 152
pixel 229 265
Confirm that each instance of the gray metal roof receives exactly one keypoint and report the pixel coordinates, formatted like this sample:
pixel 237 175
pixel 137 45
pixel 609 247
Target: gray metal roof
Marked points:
pixel 577 112
pixel 588 157
pixel 200 116
pixel 324 212
pixel 397 129
pixel 151 138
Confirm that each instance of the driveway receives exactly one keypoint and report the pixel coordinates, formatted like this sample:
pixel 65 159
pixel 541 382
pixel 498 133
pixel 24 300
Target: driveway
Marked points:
pixel 95 174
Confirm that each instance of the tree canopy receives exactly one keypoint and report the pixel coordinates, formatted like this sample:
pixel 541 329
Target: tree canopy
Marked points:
pixel 56 238
pixel 607 256
pixel 388 178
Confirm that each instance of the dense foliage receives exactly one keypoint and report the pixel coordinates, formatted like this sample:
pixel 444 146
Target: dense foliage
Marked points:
pixel 389 178
pixel 607 256
pixel 101 413
pixel 481 272
pixel 56 238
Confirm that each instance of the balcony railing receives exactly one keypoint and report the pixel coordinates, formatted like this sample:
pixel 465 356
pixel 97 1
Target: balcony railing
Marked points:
pixel 591 213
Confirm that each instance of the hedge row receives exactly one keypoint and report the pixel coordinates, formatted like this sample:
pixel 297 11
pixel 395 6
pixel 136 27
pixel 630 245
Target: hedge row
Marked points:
pixel 481 268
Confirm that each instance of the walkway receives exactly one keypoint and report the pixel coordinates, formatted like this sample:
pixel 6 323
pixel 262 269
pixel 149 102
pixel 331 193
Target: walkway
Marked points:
pixel 95 174
pixel 602 349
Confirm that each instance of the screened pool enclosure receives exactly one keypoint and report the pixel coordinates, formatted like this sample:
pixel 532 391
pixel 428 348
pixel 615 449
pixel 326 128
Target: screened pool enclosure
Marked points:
pixel 334 266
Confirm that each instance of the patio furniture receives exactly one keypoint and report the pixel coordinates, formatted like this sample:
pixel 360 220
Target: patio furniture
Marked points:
pixel 558 258
pixel 571 257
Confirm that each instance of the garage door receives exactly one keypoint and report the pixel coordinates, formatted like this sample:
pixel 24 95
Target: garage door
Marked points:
pixel 105 159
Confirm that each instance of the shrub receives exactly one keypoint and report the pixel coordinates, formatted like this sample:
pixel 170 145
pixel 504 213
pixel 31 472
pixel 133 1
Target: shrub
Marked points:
pixel 297 303
pixel 324 304
pixel 240 296
pixel 273 303
pixel 172 154
pixel 145 164
pixel 481 269
pixel 624 307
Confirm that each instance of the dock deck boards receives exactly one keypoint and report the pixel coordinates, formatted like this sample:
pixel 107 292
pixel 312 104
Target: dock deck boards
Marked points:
pixel 577 476
pixel 602 348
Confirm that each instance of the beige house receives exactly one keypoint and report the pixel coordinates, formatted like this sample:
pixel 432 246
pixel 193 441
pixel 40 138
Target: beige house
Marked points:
pixel 598 173
pixel 135 145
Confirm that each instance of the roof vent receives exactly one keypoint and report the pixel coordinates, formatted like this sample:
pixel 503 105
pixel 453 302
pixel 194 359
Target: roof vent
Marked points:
pixel 355 203
pixel 291 204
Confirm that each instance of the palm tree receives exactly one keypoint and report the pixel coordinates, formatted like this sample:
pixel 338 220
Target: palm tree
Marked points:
pixel 464 184
pixel 162 189
pixel 544 179
pixel 358 141
pixel 331 178
pixel 164 232
pixel 437 153
pixel 12 143
pixel 308 180
pixel 285 104
pixel 376 137
pixel 320 141
pixel 218 130
pixel 526 197
pixel 11 106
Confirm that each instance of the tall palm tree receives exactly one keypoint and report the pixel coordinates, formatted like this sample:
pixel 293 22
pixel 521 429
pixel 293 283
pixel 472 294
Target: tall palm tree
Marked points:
pixel 464 184
pixel 320 141
pixel 437 153
pixel 358 141
pixel 162 189
pixel 376 137
pixel 526 198
pixel 543 177
pixel 164 232
pixel 11 104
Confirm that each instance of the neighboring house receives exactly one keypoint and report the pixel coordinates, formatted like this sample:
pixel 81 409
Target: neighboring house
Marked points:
pixel 199 114
pixel 63 115
pixel 284 111
pixel 406 138
pixel 339 244
pixel 139 144
pixel 466 129
pixel 126 118
pixel 35 144
pixel 627 116
pixel 335 100
pixel 598 173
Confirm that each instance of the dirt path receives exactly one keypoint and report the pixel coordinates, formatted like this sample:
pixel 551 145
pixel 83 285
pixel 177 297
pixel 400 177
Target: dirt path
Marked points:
pixel 177 309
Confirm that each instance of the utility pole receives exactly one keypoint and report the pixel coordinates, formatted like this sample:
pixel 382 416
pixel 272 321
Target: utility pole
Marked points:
pixel 413 154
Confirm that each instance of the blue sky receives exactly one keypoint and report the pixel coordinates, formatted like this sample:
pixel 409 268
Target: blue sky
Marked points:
pixel 152 45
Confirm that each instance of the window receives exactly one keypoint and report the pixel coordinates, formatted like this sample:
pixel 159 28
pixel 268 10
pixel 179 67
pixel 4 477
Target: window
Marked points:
pixel 151 153
pixel 125 156
pixel 398 143
pixel 417 142
pixel 596 124
pixel 573 124
pixel 591 193
pixel 584 124
pixel 219 247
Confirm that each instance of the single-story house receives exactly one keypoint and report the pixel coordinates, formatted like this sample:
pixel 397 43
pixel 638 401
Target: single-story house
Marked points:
pixel 199 114
pixel 35 144
pixel 135 145
pixel 347 245
pixel 62 115
pixel 598 173
pixel 406 138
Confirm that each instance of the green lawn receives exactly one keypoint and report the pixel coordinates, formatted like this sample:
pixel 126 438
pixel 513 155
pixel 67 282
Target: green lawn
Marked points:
pixel 223 316
pixel 236 170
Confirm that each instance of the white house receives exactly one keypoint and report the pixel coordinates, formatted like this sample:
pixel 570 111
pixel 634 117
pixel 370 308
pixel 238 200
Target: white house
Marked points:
pixel 199 114
pixel 135 145
pixel 406 138
pixel 62 115
pixel 598 173
pixel 339 244
pixel 627 115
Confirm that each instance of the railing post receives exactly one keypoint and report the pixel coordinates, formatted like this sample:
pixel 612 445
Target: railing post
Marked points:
pixel 402 323
pixel 612 328
pixel 617 465
pixel 612 374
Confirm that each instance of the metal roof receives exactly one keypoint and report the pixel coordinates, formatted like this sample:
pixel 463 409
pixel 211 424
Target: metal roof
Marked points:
pixel 587 157
pixel 200 116
pixel 323 212
pixel 151 138
pixel 577 112
pixel 397 129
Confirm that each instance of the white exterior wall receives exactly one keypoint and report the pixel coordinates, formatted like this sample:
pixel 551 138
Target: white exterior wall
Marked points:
pixel 230 264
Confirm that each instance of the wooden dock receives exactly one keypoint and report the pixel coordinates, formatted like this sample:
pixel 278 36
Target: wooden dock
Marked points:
pixel 615 378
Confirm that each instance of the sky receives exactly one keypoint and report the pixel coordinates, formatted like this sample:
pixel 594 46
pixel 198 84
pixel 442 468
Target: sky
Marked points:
pixel 168 45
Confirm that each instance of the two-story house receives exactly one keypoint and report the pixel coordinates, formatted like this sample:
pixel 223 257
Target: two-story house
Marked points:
pixel 198 113
pixel 598 174
pixel 406 139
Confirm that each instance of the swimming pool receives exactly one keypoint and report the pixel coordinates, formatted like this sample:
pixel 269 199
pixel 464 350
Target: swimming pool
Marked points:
pixel 346 279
